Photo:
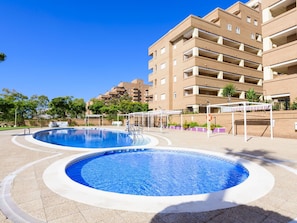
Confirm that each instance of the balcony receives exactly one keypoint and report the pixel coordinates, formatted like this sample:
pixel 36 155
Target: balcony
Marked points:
pixel 119 89
pixel 280 55
pixel 222 44
pixel 284 37
pixel 228 67
pixel 281 7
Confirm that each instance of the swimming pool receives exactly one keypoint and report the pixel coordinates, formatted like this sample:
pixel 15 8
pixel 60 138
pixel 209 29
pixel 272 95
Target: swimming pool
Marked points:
pixel 153 172
pixel 90 138
pixel 56 178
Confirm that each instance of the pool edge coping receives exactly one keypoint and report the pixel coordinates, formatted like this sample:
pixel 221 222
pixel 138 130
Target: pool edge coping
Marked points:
pixel 56 179
pixel 153 141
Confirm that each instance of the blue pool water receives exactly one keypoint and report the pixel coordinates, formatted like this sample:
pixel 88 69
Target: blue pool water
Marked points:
pixel 86 138
pixel 151 172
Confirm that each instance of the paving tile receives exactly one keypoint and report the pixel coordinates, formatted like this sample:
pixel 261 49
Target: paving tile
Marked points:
pixel 74 218
pixel 23 196
pixel 31 205
pixel 60 211
pixel 32 195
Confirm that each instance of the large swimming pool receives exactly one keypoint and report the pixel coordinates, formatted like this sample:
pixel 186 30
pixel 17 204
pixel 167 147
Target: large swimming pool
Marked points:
pixel 89 138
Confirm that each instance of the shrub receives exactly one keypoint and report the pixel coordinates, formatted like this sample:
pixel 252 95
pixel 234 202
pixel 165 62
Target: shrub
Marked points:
pixel 193 124
pixel 72 123
pixel 186 125
pixel 276 107
pixel 294 105
pixel 212 126
pixel 33 123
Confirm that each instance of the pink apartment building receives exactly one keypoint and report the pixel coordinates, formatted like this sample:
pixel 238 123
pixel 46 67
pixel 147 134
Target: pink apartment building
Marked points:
pixel 279 30
pixel 192 63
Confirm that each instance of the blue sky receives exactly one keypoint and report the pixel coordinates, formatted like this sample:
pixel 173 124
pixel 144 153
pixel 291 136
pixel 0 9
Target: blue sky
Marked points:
pixel 82 48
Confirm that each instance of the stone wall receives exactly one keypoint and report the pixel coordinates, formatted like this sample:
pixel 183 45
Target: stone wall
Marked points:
pixel 258 123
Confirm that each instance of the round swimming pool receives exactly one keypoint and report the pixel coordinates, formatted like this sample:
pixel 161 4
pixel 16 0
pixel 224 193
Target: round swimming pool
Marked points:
pixel 152 172
pixel 89 138
pixel 124 177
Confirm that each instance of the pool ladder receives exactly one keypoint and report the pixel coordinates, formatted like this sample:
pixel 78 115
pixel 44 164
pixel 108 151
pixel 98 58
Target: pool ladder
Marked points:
pixel 136 132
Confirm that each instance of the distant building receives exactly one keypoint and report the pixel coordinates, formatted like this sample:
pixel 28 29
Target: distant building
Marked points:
pixel 137 90
pixel 195 60
pixel 279 30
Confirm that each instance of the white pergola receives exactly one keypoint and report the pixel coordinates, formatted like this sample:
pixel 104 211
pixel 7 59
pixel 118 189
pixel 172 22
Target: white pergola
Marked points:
pixel 159 113
pixel 94 116
pixel 122 115
pixel 241 107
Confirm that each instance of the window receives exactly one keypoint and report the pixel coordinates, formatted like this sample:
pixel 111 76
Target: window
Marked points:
pixel 174 95
pixel 156 97
pixel 255 22
pixel 163 97
pixel 163 50
pixel 237 30
pixel 174 46
pixel 252 35
pixel 258 37
pixel 248 19
pixel 174 78
pixel 163 81
pixel 163 66
pixel 229 27
pixel 155 82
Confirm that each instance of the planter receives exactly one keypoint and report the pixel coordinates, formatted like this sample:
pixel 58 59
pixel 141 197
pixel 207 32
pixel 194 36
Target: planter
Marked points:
pixel 219 130
pixel 198 129
pixel 201 129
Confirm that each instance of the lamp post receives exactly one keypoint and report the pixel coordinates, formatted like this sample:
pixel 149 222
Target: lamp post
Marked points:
pixel 208 119
pixel 15 117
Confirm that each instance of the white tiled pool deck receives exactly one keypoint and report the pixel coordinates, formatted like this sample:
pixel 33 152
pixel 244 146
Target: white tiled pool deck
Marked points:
pixel 24 196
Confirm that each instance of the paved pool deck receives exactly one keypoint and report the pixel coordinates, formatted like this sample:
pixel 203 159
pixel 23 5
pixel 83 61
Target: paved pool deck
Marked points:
pixel 24 197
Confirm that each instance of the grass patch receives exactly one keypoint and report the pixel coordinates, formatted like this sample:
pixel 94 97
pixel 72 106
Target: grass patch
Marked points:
pixel 12 128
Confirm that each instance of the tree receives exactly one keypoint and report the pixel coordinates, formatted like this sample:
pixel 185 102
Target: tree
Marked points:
pixel 77 108
pixel 5 110
pixel 251 96
pixel 60 107
pixel 13 95
pixel 96 106
pixel 40 104
pixel 21 106
pixel 111 108
pixel 125 106
pixel 2 57
pixel 228 91
pixel 138 107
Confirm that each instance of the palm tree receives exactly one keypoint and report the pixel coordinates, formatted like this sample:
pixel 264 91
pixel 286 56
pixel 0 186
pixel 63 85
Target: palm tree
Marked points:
pixel 2 57
pixel 251 95
pixel 229 91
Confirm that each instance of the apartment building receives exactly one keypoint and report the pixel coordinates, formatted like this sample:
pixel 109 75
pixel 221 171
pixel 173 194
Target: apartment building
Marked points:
pixel 279 30
pixel 137 90
pixel 195 60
